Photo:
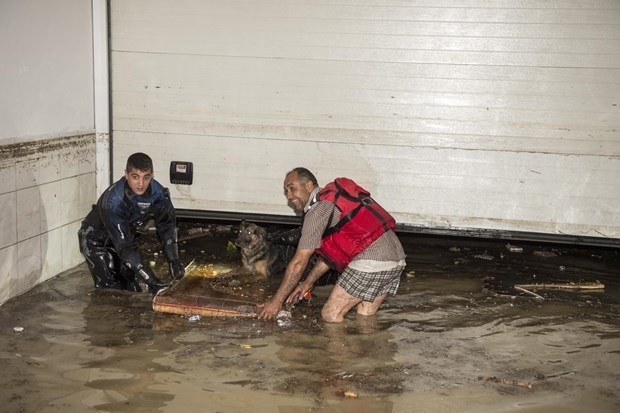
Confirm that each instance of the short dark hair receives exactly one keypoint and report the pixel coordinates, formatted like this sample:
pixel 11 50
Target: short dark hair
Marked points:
pixel 305 175
pixel 140 161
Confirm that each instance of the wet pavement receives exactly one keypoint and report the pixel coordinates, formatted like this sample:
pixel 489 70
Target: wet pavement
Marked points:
pixel 456 338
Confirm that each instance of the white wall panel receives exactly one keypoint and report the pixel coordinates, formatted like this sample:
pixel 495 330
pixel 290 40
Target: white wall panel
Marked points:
pixel 47 142
pixel 46 74
pixel 472 114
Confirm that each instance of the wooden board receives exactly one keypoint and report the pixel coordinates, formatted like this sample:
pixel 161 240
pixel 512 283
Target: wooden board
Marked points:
pixel 194 295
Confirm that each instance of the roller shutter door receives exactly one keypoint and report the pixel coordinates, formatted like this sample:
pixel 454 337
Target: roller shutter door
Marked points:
pixel 463 115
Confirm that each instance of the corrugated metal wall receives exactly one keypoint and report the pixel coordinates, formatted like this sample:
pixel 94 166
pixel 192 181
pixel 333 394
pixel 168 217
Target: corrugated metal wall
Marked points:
pixel 471 114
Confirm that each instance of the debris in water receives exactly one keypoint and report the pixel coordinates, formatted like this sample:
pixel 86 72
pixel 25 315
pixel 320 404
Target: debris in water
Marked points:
pixel 565 286
pixel 208 270
pixel 485 257
pixel 513 248
pixel 195 317
pixel 506 381
pixel 346 393
pixel 231 247
pixel 18 329
pixel 284 318
pixel 545 254
pixel 527 292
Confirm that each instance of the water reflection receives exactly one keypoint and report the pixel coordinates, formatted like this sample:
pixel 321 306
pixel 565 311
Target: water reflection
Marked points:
pixel 120 362
pixel 350 363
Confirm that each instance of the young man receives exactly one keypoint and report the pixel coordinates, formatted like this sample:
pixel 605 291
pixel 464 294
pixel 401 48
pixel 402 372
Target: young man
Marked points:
pixel 107 235
pixel 368 276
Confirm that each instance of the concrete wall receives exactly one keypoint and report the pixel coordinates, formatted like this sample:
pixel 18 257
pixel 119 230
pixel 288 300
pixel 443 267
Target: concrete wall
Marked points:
pixel 47 138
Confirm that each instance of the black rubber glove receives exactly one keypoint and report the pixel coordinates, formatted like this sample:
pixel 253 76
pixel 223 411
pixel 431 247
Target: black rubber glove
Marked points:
pixel 150 279
pixel 171 250
pixel 177 271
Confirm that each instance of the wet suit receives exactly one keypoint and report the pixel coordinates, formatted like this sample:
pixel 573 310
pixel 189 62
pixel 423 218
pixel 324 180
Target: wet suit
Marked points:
pixel 108 236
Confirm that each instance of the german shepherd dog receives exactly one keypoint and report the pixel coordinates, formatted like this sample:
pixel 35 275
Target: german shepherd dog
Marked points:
pixel 264 259
pixel 258 256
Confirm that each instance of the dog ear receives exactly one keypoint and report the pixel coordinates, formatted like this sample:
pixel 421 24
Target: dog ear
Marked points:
pixel 242 225
pixel 261 231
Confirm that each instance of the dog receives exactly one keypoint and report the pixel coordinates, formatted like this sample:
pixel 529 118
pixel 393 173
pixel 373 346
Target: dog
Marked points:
pixel 263 259
pixel 258 256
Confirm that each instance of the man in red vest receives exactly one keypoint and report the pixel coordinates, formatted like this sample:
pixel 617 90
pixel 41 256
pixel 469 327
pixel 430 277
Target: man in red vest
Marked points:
pixel 352 234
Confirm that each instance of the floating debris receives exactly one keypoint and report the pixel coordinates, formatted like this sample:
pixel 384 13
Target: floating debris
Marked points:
pixel 545 254
pixel 506 381
pixel 284 314
pixel 231 247
pixel 564 286
pixel 513 248
pixel 346 393
pixel 528 292
pixel 206 270
pixel 485 257
pixel 284 318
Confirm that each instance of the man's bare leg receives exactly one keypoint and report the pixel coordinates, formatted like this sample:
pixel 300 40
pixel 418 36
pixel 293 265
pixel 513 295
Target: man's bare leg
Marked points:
pixel 370 307
pixel 338 305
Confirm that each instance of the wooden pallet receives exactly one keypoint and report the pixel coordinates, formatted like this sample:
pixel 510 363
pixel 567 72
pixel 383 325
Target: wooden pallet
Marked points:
pixel 187 304
pixel 193 295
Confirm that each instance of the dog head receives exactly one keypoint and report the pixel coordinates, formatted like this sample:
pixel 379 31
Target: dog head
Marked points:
pixel 256 254
pixel 250 236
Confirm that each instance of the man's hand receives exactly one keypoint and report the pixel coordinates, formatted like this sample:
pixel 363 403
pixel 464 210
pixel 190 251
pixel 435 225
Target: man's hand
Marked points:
pixel 298 294
pixel 177 271
pixel 292 275
pixel 294 297
pixel 269 310
pixel 300 291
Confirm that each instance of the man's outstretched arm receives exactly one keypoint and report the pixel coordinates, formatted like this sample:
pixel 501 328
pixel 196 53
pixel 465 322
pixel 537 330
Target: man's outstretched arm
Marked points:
pixel 292 275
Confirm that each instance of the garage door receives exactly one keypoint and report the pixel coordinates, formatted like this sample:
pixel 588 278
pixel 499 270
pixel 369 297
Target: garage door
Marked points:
pixel 476 116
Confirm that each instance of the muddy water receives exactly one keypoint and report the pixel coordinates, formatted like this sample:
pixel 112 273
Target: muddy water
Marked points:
pixel 445 343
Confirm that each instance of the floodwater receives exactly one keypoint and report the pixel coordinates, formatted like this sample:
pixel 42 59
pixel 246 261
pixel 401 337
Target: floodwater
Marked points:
pixel 445 343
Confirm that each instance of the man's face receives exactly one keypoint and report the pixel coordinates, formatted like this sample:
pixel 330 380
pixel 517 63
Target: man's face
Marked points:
pixel 138 180
pixel 297 192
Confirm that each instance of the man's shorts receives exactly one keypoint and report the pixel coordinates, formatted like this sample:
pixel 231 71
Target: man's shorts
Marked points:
pixel 370 285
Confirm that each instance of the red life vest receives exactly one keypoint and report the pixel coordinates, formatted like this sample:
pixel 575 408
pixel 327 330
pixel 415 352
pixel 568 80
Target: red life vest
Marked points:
pixel 362 221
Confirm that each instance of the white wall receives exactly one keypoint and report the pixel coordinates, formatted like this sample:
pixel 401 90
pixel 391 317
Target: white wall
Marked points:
pixel 47 138
pixel 473 115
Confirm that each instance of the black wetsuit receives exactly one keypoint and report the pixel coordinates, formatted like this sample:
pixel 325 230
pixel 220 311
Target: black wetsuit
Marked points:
pixel 108 235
